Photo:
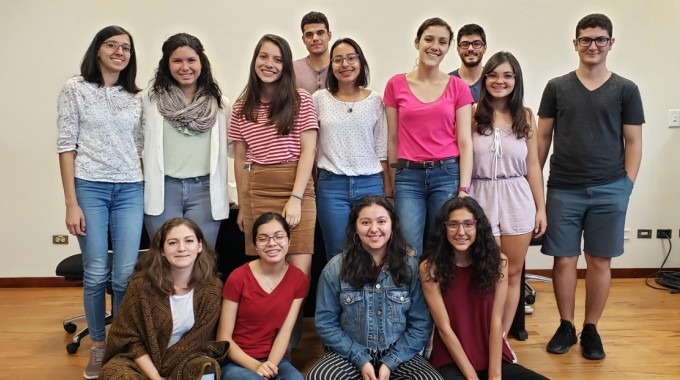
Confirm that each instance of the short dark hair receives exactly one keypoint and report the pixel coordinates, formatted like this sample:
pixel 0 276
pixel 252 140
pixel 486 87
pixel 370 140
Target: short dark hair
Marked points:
pixel 164 79
pixel 314 18
pixel 435 21
pixel 90 70
pixel 362 78
pixel 266 218
pixel 595 20
pixel 470 29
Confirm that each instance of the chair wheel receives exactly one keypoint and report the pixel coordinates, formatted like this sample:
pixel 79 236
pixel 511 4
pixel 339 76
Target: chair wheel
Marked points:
pixel 530 299
pixel 72 348
pixel 70 327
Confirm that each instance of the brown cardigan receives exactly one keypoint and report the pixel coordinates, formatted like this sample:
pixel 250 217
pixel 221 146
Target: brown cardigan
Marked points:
pixel 144 326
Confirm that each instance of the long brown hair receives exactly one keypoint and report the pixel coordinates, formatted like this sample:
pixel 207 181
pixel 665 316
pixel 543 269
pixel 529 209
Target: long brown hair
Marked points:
pixel 285 105
pixel 155 269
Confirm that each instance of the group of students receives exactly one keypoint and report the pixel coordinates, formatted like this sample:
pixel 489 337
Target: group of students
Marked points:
pixel 395 184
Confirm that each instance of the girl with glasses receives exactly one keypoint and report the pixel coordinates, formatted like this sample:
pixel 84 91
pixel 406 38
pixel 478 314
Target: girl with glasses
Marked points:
pixel 352 148
pixel 99 144
pixel 464 279
pixel 507 180
pixel 262 300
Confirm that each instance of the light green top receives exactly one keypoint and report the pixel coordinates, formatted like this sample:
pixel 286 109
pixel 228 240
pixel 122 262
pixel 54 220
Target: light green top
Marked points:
pixel 185 156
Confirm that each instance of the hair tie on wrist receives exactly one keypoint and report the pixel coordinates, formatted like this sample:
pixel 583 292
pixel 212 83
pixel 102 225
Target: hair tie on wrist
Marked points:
pixel 296 196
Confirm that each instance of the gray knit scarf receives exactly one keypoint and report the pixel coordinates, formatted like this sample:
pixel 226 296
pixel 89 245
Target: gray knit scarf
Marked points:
pixel 197 117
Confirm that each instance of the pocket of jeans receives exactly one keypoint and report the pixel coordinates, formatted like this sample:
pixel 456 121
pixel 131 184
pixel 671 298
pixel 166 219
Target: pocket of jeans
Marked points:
pixel 398 171
pixel 205 182
pixel 323 174
pixel 452 170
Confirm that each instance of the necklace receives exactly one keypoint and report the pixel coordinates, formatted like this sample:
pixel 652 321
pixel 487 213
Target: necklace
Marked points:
pixel 269 284
pixel 350 108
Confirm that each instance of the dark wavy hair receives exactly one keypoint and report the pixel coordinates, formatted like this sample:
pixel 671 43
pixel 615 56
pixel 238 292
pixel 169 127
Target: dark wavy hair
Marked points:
pixel 164 79
pixel 362 78
pixel 285 105
pixel 90 70
pixel 595 20
pixel 469 30
pixel 484 113
pixel 266 218
pixel 435 21
pixel 357 266
pixel 484 251
pixel 314 18
pixel 155 269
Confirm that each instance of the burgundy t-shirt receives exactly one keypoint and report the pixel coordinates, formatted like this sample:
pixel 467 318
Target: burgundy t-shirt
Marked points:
pixel 470 316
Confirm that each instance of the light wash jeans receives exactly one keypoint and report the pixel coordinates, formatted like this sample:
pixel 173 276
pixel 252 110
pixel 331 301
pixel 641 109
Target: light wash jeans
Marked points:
pixel 233 371
pixel 118 208
pixel 189 198
pixel 335 196
pixel 418 196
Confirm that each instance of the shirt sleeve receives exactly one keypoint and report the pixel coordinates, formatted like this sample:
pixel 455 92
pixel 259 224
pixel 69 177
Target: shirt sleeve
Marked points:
pixel 302 287
pixel 233 288
pixel 306 119
pixel 380 134
pixel 68 118
pixel 388 97
pixel 632 112
pixel 548 106
pixel 138 131
pixel 235 121
pixel 462 91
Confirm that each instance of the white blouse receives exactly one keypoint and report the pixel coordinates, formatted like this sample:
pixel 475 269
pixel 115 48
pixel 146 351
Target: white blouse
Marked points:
pixel 352 135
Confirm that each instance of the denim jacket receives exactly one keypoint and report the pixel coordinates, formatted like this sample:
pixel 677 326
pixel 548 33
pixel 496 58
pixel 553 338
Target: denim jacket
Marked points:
pixel 355 322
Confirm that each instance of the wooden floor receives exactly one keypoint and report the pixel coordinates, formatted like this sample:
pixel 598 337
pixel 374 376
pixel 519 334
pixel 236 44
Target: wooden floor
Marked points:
pixel 640 330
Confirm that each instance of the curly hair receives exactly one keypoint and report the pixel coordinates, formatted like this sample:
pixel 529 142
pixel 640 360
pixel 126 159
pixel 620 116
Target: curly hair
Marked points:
pixel 357 265
pixel 155 269
pixel 484 114
pixel 484 252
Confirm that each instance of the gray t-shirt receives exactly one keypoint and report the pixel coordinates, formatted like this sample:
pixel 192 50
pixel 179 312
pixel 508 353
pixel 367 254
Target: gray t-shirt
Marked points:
pixel 475 88
pixel 588 144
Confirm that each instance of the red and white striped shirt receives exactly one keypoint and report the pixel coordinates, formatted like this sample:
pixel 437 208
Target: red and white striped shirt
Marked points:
pixel 264 146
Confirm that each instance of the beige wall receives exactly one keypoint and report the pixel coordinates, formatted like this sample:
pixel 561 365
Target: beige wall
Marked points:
pixel 43 43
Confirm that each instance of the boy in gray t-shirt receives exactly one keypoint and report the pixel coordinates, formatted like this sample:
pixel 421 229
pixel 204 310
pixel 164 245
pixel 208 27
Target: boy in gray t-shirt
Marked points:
pixel 595 118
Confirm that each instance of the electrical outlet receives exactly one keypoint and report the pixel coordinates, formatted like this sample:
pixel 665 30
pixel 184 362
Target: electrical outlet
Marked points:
pixel 663 234
pixel 674 118
pixel 644 234
pixel 59 239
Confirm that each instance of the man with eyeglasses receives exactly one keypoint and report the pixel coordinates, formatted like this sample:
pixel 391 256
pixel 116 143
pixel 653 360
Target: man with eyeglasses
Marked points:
pixel 595 118
pixel 471 42
pixel 310 71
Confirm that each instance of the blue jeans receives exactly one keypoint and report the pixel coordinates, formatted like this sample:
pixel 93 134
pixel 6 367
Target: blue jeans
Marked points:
pixel 189 198
pixel 418 196
pixel 233 371
pixel 335 196
pixel 118 207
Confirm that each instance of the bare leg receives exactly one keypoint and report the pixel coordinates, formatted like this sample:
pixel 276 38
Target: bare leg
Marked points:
pixel 515 248
pixel 564 285
pixel 598 283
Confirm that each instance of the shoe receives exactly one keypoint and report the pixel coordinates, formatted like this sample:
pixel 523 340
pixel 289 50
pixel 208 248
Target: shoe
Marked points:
pixel 591 343
pixel 528 309
pixel 564 337
pixel 95 363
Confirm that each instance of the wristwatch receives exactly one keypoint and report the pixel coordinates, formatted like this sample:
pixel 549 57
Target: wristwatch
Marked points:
pixel 465 189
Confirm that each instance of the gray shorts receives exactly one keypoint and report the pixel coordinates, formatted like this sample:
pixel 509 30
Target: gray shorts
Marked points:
pixel 597 214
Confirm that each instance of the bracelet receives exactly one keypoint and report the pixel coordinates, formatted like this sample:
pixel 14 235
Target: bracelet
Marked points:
pixel 296 196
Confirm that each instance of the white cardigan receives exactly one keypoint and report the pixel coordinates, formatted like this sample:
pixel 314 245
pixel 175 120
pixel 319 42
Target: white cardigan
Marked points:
pixel 154 167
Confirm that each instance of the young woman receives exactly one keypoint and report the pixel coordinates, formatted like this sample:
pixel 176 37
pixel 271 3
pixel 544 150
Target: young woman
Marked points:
pixel 273 131
pixel 352 142
pixel 506 176
pixel 464 277
pixel 262 300
pixel 169 315
pixel 429 143
pixel 99 145
pixel 185 141
pixel 370 310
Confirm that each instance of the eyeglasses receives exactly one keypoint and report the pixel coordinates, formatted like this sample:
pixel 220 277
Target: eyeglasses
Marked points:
pixel 350 58
pixel 475 44
pixel 113 46
pixel 599 41
pixel 264 239
pixel 468 225
pixel 494 76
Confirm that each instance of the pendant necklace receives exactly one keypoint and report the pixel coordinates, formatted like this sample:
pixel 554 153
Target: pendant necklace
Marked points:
pixel 269 284
pixel 350 108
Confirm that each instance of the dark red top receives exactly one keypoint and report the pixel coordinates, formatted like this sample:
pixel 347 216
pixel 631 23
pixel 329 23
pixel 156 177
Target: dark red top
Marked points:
pixel 260 314
pixel 470 316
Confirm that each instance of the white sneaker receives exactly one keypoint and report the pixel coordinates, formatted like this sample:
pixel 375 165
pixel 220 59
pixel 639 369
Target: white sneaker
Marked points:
pixel 95 363
pixel 528 309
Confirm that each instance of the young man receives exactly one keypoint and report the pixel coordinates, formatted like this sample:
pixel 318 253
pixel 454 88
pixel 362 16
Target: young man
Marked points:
pixel 595 118
pixel 471 42
pixel 310 71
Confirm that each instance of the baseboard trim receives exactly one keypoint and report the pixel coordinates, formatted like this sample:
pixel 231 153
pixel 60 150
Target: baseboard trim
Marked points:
pixel 54 282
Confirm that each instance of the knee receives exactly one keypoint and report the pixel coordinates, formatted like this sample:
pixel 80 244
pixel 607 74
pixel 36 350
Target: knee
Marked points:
pixel 565 263
pixel 598 263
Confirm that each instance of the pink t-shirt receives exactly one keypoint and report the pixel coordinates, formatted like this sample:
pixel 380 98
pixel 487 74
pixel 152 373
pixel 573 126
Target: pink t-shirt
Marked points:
pixel 260 314
pixel 264 145
pixel 427 131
